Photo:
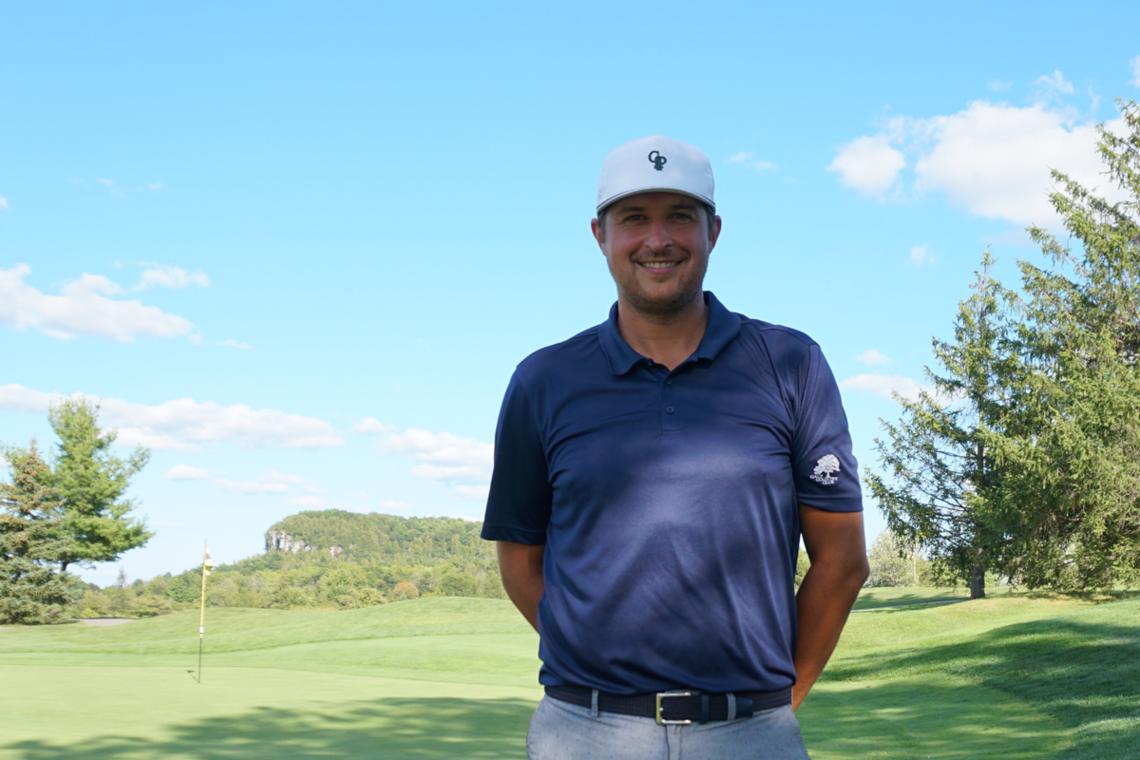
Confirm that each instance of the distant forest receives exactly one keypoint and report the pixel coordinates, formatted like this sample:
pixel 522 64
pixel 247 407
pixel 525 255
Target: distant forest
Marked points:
pixel 329 559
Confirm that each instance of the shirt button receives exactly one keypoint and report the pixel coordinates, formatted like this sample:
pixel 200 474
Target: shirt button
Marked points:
pixel 668 382
pixel 668 410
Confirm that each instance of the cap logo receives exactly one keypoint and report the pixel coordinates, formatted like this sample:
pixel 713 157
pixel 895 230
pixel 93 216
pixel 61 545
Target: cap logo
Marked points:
pixel 657 160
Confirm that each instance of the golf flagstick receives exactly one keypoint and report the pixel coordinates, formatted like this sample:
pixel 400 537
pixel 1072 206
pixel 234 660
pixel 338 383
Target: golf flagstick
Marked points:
pixel 206 565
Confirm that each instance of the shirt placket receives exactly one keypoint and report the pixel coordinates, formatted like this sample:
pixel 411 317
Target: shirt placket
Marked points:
pixel 668 407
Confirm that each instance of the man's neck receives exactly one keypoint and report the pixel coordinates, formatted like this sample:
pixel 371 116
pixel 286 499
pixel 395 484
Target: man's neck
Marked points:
pixel 666 340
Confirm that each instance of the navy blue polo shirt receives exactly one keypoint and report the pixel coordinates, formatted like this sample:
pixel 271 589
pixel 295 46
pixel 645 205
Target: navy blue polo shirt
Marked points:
pixel 667 501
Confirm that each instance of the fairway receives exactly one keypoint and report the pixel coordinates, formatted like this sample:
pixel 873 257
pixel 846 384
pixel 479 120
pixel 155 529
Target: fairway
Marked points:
pixel 1015 676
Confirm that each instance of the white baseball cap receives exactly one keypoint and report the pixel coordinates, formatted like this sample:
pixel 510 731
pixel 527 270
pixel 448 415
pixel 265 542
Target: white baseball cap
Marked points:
pixel 655 163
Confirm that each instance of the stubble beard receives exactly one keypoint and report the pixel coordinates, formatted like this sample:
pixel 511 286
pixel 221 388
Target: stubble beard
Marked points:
pixel 668 307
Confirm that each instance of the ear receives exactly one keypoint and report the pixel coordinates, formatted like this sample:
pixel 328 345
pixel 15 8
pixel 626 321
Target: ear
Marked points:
pixel 596 229
pixel 715 233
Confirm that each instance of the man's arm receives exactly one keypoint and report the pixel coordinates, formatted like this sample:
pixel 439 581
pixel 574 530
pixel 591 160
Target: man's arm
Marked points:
pixel 837 548
pixel 520 567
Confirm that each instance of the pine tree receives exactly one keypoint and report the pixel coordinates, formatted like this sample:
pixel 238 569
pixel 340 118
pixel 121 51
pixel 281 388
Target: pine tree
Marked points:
pixel 91 481
pixel 1029 462
pixel 941 490
pixel 1077 468
pixel 32 541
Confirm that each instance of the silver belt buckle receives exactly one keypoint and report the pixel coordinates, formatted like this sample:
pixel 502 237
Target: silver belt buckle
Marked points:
pixel 661 695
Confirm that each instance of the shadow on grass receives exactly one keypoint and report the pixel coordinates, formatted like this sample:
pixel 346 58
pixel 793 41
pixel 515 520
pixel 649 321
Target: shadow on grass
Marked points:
pixel 385 728
pixel 936 717
pixel 1086 673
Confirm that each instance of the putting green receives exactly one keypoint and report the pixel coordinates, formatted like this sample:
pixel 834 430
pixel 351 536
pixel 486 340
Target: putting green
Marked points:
pixel 146 712
pixel 137 713
pixel 1017 678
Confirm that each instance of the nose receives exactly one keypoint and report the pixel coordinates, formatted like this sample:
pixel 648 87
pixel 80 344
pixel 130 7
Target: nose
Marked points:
pixel 659 237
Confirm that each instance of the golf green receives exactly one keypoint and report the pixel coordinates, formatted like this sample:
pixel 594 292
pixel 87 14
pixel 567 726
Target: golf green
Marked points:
pixel 1019 676
pixel 141 712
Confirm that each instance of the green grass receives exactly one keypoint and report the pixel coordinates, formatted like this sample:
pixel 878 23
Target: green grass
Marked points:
pixel 871 598
pixel 1013 676
pixel 142 713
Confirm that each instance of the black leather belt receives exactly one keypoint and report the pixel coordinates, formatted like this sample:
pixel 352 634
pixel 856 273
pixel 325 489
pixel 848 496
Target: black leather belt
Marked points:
pixel 679 707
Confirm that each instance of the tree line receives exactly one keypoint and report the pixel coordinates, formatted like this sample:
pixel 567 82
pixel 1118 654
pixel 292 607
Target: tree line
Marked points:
pixel 1024 460
pixel 384 558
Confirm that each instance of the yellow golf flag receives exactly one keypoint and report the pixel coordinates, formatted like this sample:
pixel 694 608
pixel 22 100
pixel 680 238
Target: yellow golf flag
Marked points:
pixel 206 566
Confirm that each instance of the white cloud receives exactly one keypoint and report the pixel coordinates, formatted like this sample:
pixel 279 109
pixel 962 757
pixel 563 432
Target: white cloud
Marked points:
pixel 186 472
pixel 920 255
pixel 868 164
pixel 171 277
pixel 873 357
pixel 188 425
pixel 358 495
pixel 82 308
pixel 370 425
pixel 231 343
pixel 999 86
pixel 3 203
pixel 746 157
pixel 273 476
pixel 155 186
pixel 112 188
pixel 250 486
pixel 1052 87
pixel 444 457
pixel 310 502
pixel 472 492
pixel 395 506
pixel 883 385
pixel 268 482
pixel 992 159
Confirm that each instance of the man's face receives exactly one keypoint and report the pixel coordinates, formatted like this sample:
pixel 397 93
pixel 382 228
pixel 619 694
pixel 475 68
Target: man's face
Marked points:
pixel 657 246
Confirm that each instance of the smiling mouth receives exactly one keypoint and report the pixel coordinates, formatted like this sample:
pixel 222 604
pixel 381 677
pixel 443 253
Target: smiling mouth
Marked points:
pixel 658 264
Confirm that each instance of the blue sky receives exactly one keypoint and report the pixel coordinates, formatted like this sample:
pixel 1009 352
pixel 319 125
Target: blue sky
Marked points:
pixel 297 249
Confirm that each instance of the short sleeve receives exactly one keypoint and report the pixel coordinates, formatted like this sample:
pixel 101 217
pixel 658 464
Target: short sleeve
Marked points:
pixel 519 502
pixel 826 473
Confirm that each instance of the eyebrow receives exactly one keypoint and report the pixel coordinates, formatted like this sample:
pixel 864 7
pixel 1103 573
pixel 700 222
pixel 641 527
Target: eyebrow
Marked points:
pixel 674 207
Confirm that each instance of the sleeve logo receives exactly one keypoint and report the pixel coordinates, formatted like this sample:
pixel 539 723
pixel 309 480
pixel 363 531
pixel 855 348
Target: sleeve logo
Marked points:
pixel 825 470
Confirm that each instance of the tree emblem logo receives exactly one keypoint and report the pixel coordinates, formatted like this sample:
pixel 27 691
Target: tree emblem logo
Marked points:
pixel 825 470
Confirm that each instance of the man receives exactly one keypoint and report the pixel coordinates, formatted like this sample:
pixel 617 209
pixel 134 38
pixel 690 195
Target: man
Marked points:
pixel 653 476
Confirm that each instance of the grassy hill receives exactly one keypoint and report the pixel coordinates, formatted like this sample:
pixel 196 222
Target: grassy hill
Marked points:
pixel 1016 676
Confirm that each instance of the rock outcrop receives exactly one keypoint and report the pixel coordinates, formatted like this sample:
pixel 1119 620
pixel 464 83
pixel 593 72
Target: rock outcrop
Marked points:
pixel 279 540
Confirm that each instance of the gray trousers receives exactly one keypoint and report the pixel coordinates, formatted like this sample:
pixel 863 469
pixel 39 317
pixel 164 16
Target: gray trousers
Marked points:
pixel 562 731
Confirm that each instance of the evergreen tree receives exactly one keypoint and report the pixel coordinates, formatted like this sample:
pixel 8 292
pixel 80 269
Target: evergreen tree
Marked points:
pixel 32 540
pixel 1076 470
pixel 941 489
pixel 91 481
pixel 1029 463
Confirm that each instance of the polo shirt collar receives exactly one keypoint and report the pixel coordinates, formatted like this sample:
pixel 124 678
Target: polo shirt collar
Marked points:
pixel 723 326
